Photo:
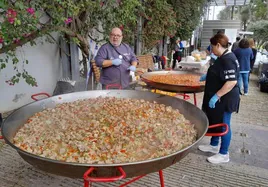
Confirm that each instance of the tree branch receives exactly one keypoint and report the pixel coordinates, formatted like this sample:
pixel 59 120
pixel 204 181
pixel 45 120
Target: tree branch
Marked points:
pixel 84 46
pixel 58 44
pixel 97 41
pixel 23 41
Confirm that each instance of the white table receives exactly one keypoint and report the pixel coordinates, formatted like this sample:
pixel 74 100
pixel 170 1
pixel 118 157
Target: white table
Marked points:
pixel 202 65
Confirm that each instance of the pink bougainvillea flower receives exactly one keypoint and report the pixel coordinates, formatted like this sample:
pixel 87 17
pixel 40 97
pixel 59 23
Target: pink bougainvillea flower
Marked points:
pixel 68 20
pixel 11 20
pixel 121 27
pixel 30 11
pixel 11 15
pixel 9 10
pixel 16 40
pixel 1 40
pixel 27 35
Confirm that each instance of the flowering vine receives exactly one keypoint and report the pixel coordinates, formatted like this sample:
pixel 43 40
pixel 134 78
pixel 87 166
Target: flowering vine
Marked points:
pixel 23 21
pixel 21 24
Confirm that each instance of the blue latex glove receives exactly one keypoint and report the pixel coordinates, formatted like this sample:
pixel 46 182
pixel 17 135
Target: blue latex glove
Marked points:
pixel 213 101
pixel 132 68
pixel 117 61
pixel 203 78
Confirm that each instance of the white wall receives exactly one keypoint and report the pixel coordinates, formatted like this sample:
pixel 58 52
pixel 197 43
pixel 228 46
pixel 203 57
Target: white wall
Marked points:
pixel 44 65
pixel 210 26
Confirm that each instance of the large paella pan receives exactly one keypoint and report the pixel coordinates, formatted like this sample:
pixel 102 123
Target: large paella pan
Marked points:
pixel 174 81
pixel 71 169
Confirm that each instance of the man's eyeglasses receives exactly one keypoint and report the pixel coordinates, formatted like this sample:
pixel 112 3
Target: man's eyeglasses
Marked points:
pixel 115 35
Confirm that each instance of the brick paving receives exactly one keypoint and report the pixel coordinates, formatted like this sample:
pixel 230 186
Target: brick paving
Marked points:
pixel 248 154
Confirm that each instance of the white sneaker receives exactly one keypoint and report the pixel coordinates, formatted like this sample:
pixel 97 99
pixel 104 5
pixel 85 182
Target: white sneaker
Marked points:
pixel 209 148
pixel 218 158
pixel 245 93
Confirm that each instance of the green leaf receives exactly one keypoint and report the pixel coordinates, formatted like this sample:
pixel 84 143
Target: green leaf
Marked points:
pixel 75 40
pixel 18 22
pixel 19 5
pixel 15 60
pixel 32 42
pixel 3 5
pixel 3 65
pixel 38 14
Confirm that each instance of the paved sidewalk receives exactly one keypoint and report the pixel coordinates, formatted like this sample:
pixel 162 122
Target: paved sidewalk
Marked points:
pixel 248 154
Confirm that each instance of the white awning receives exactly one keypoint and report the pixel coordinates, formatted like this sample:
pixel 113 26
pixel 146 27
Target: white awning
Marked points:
pixel 229 2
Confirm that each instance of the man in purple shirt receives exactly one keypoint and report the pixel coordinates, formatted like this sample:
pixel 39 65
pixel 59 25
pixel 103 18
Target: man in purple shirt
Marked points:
pixel 116 60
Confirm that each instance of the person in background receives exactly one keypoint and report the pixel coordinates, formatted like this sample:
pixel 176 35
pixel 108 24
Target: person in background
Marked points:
pixel 116 60
pixel 163 61
pixel 229 45
pixel 235 44
pixel 254 51
pixel 221 96
pixel 244 55
pixel 177 53
pixel 1 120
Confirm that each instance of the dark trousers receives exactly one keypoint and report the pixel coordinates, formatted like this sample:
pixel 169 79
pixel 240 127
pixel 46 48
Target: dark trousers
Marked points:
pixel 1 119
pixel 162 64
pixel 176 57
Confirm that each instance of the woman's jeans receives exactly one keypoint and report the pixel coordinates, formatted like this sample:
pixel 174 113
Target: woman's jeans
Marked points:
pixel 243 78
pixel 226 139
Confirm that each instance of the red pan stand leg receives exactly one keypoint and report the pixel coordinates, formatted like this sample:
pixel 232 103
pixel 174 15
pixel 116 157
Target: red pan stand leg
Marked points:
pixel 218 125
pixel 195 101
pixel 185 96
pixel 161 177
pixel 88 179
pixel 131 181
pixel 87 184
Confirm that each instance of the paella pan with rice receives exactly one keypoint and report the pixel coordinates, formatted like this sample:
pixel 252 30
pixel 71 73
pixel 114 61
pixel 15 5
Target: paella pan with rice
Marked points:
pixel 174 81
pixel 81 157
pixel 106 130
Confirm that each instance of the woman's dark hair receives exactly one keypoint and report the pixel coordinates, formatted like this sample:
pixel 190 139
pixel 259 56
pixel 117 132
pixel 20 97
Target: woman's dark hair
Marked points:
pixel 244 43
pixel 220 32
pixel 222 39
